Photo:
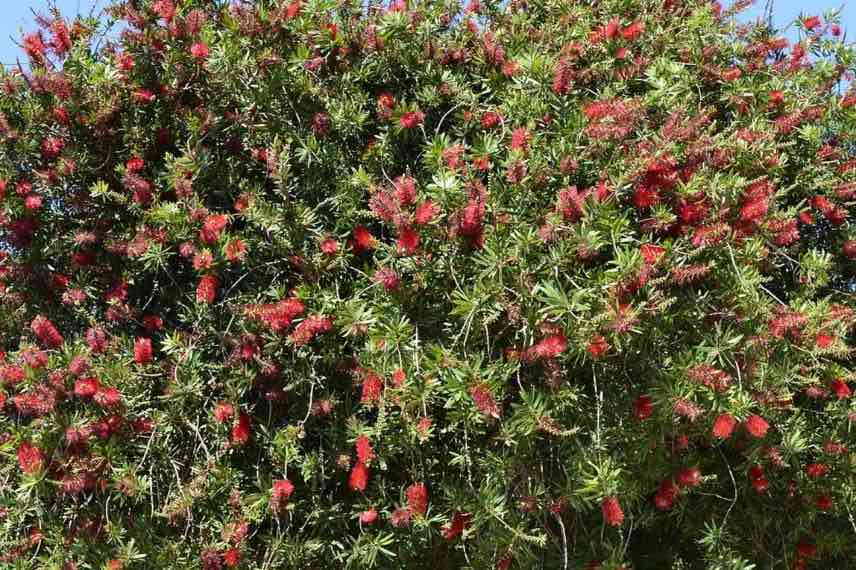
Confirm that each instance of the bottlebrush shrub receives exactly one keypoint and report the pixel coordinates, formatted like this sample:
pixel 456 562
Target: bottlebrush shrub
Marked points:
pixel 318 284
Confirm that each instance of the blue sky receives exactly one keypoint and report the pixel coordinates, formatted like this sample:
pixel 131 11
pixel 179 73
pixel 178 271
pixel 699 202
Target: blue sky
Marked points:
pixel 17 15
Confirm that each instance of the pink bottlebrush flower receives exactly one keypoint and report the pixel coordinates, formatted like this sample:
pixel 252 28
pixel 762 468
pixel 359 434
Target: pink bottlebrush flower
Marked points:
pixel 329 246
pixel 108 397
pixel 400 518
pixel 484 401
pixel 213 227
pixel 405 190
pixel 368 516
pixel 96 339
pixel 199 50
pixel 309 328
pixel 142 350
pixel 412 119
pixel 611 510
pixel 816 470
pixel 417 499
pixel 224 412
pixel 490 119
pixel 46 332
pixel 388 278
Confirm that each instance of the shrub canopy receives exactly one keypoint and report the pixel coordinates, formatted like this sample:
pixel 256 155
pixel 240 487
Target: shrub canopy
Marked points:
pixel 529 284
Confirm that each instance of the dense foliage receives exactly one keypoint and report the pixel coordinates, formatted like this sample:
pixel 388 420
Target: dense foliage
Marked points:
pixel 530 284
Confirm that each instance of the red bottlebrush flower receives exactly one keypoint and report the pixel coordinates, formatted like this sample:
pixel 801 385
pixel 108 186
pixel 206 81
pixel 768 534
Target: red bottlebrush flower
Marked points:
pixel 386 100
pixel 651 253
pixel 52 147
pixel 611 510
pixel 368 516
pixel 372 389
pixel 425 213
pixel 362 240
pixel 224 412
pixel 388 278
pixel 483 398
pixel 86 387
pixel 597 346
pixel 644 197
pixel 412 119
pixel 664 499
pixel 689 477
pixel 152 323
pixel 816 470
pixel 455 527
pixel 548 347
pixel 212 227
pixel 365 453
pixel 142 350
pixel 849 249
pixel 812 22
pixel 280 493
pixel 841 389
pixel 760 484
pixel 757 426
pixel 824 503
pixel 417 499
pixel 405 190
pixel 199 50
pixel 232 557
pixel 31 459
pixel 206 291
pixel 723 426
pixel 108 397
pixel 643 407
pixel 46 332
pixel 359 477
pixel 823 340
pixel 632 32
pixel 236 250
pixel 490 119
pixel 242 430
pixel 34 46
pixel 309 328
pixel 408 241
pixel 135 164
